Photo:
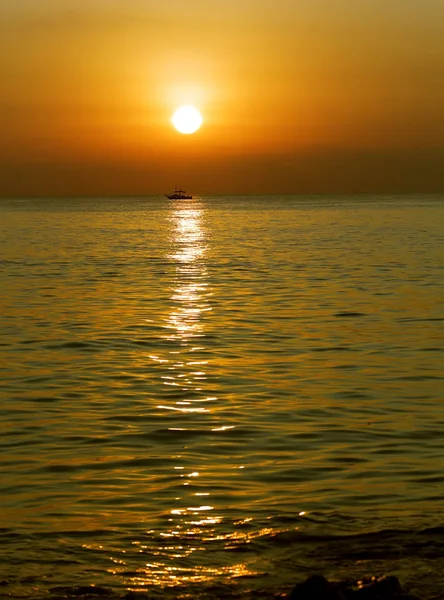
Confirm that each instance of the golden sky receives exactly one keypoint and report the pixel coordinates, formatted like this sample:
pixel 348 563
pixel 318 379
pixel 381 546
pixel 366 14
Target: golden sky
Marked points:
pixel 297 96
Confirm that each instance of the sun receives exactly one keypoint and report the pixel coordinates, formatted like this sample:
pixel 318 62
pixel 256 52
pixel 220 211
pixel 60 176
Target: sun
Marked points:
pixel 187 119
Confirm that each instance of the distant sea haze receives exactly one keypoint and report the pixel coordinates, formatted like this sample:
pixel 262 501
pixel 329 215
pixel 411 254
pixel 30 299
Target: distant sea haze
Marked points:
pixel 195 391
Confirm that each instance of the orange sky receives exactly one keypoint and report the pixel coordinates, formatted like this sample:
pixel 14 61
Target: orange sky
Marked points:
pixel 297 96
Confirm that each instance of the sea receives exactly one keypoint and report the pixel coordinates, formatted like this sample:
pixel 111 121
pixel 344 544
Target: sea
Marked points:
pixel 219 397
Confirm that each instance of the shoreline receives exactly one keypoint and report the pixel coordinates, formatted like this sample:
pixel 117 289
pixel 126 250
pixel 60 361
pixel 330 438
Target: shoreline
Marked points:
pixel 314 587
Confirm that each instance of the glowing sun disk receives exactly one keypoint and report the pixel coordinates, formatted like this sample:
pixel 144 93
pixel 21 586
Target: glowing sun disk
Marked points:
pixel 187 119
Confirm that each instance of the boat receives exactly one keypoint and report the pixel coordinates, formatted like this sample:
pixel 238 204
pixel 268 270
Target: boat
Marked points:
pixel 178 194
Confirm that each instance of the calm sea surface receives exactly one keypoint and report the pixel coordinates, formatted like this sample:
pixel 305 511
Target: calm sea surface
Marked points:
pixel 227 394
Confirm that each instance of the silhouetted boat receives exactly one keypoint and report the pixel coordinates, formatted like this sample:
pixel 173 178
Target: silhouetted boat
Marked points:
pixel 179 195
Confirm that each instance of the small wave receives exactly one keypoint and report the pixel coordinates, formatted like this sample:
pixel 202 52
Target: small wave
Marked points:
pixel 334 349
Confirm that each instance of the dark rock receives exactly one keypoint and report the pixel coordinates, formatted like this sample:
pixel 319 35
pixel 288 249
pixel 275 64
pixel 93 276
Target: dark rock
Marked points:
pixel 385 588
pixel 316 588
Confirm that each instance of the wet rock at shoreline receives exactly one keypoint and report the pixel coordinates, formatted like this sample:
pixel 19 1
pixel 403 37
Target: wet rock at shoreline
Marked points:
pixel 318 587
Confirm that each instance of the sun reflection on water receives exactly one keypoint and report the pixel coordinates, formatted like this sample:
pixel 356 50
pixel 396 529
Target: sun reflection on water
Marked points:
pixel 165 576
pixel 189 293
pixel 193 524
pixel 168 561
pixel 189 300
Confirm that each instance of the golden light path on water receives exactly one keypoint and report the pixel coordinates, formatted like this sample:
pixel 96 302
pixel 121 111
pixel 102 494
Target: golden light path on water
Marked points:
pixel 192 528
